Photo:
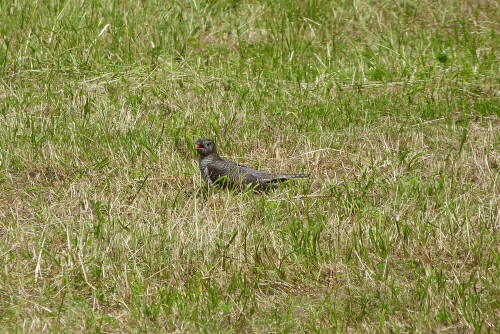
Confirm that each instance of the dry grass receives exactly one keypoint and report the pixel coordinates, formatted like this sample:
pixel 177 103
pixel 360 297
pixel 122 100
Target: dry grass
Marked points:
pixel 393 109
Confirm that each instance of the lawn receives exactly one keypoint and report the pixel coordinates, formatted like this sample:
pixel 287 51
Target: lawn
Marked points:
pixel 393 107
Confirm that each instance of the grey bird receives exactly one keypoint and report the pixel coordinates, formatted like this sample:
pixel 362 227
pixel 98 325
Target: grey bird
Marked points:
pixel 214 169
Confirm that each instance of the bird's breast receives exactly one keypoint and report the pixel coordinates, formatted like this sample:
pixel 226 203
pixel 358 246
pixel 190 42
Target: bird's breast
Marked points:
pixel 205 174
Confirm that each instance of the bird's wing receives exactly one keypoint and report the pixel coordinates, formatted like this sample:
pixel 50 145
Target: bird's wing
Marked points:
pixel 239 173
pixel 234 172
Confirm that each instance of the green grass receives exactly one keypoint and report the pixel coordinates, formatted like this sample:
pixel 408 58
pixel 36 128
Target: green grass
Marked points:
pixel 393 107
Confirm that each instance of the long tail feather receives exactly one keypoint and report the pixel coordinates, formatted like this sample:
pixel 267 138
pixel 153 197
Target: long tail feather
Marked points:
pixel 295 176
pixel 284 177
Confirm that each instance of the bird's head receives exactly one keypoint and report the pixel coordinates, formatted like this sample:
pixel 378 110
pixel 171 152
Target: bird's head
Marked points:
pixel 205 147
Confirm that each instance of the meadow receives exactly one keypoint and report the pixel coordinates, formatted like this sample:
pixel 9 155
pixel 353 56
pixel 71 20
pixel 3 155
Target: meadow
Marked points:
pixel 393 107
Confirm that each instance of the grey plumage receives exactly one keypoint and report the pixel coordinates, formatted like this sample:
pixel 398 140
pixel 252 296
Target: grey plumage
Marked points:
pixel 215 169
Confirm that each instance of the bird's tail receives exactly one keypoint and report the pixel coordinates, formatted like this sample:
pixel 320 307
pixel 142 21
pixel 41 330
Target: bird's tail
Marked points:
pixel 284 177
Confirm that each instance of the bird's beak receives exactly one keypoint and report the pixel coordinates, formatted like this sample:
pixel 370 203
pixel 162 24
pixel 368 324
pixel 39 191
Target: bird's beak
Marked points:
pixel 199 147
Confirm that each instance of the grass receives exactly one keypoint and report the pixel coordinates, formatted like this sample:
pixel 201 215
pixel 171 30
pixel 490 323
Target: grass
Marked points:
pixel 393 107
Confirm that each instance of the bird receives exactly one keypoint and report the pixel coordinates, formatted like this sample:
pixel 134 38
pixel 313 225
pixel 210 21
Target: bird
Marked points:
pixel 215 170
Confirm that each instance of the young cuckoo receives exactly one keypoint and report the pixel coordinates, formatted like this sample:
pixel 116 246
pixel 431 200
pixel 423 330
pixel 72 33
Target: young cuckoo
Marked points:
pixel 214 168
